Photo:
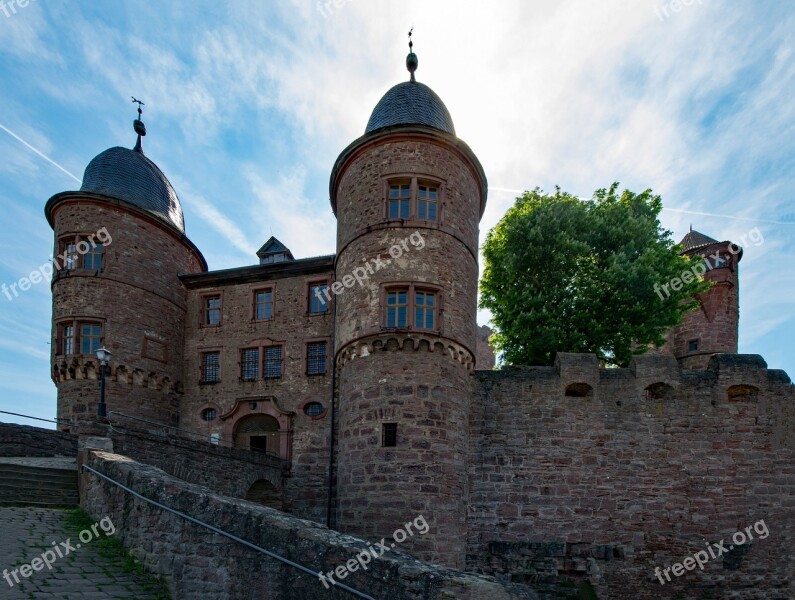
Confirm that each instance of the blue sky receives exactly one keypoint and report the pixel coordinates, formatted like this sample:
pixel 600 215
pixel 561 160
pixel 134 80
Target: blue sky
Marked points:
pixel 249 103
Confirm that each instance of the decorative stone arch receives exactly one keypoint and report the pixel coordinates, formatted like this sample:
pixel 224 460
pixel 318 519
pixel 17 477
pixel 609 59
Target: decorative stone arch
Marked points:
pixel 579 390
pixel 742 393
pixel 264 492
pixel 259 423
pixel 659 391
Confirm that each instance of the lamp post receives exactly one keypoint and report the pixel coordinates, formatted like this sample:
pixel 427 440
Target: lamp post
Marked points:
pixel 103 354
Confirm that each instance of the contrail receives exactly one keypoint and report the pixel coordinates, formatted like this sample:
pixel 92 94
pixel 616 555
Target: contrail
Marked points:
pixel 45 157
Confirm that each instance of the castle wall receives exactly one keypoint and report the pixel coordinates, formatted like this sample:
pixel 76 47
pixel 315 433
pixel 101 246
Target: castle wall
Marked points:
pixel 139 302
pixel 305 440
pixel 631 477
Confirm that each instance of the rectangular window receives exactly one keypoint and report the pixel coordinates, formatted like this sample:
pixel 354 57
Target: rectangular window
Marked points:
pixel 263 304
pixel 316 358
pixel 272 369
pixel 427 199
pixel 92 259
pixel 212 310
pixel 71 256
pixel 424 309
pixel 399 201
pixel 90 338
pixel 389 435
pixel 249 364
pixel 318 300
pixel 692 345
pixel 68 339
pixel 211 367
pixel 397 308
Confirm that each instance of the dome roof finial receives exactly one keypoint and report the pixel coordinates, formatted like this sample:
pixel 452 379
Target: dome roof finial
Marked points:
pixel 411 60
pixel 139 126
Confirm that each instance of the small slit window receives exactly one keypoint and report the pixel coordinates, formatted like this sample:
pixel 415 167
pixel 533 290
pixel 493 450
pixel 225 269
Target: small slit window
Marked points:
pixel 389 435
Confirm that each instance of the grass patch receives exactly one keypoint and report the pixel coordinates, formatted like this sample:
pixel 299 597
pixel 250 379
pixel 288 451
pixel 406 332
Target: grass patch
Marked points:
pixel 110 548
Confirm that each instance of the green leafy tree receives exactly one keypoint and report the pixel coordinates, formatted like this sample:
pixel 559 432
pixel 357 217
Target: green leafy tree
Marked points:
pixel 566 275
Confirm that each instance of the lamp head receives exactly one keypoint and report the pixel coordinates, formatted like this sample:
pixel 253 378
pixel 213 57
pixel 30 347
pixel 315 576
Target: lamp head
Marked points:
pixel 103 354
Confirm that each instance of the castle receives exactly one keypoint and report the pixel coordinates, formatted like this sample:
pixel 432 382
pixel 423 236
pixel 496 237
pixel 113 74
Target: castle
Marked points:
pixel 366 374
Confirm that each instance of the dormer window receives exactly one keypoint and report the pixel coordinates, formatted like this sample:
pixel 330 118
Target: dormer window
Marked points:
pixel 273 251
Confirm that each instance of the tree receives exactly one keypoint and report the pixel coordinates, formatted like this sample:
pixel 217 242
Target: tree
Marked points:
pixel 566 275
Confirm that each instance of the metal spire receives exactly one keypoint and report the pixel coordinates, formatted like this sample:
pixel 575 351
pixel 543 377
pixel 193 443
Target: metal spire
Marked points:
pixel 139 126
pixel 411 60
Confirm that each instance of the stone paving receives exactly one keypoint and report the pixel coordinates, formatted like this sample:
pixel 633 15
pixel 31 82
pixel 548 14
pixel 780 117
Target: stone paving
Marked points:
pixel 86 572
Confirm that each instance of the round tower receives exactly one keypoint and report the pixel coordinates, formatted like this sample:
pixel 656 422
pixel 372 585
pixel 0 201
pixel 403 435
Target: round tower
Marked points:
pixel 408 196
pixel 713 327
pixel 119 245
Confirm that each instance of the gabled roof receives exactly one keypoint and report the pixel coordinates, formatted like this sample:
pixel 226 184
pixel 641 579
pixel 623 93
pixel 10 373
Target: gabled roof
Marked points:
pixel 274 246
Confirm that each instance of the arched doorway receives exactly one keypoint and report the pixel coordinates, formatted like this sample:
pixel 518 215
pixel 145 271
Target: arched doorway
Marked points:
pixel 259 433
pixel 264 492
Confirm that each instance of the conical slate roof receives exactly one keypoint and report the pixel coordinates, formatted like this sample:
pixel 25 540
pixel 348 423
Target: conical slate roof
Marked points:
pixel 130 176
pixel 411 103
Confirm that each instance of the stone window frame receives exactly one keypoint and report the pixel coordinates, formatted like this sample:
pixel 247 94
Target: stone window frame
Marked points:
pixel 411 287
pixel 302 408
pixel 305 365
pixel 211 350
pixel 203 297
pixel 148 339
pixel 697 342
pixel 415 180
pixel 80 258
pixel 260 346
pixel 254 292
pixel 76 322
pixel 307 291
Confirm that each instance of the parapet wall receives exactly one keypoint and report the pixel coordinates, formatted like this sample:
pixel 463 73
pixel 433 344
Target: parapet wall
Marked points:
pixel 200 564
pixel 634 469
pixel 23 440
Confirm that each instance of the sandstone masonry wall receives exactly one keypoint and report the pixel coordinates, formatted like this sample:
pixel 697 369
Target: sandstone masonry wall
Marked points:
pixel 640 472
pixel 23 440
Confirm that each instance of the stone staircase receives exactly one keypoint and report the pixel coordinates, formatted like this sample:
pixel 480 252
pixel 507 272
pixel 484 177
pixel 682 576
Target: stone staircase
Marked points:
pixel 27 485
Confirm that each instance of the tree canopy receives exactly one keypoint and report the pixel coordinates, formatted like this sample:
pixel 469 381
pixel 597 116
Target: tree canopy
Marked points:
pixel 569 275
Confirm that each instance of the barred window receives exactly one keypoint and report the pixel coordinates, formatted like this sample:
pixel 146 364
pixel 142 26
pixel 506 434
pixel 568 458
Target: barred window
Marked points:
pixel 273 362
pixel 313 409
pixel 263 304
pixel 316 358
pixel 209 414
pixel 249 364
pixel 211 367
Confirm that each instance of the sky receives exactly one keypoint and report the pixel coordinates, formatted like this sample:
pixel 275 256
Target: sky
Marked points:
pixel 248 104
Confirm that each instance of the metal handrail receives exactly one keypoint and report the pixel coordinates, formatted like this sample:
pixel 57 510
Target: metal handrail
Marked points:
pixel 56 420
pixel 231 536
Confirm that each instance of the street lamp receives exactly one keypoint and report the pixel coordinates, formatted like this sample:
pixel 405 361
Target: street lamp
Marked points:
pixel 103 354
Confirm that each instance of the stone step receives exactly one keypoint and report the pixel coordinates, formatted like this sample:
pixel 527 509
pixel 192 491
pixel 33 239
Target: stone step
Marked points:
pixel 23 485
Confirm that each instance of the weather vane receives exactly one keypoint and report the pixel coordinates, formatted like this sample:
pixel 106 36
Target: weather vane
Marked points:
pixel 411 59
pixel 138 125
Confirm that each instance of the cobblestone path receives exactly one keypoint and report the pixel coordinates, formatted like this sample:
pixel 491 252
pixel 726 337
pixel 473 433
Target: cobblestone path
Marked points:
pixel 86 572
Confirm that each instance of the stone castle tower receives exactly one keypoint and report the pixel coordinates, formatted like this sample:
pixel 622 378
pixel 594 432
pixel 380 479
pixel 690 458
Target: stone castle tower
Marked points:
pixel 713 327
pixel 405 341
pixel 119 244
